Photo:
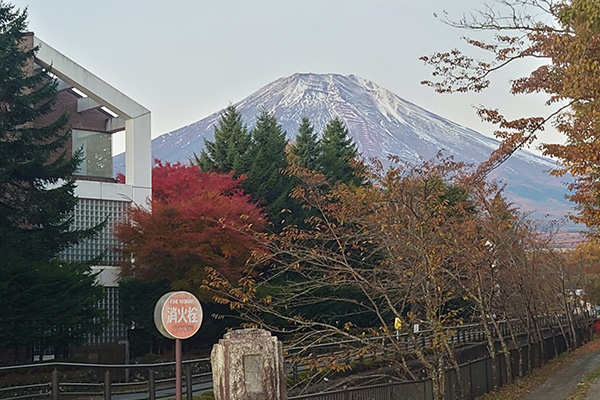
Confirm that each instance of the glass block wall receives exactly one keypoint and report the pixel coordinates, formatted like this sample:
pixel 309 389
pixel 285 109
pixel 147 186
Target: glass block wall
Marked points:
pixel 115 330
pixel 89 213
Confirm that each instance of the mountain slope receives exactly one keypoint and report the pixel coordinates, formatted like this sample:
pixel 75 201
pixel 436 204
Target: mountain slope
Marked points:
pixel 381 124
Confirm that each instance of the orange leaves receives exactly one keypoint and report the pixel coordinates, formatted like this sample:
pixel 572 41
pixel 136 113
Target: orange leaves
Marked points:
pixel 566 34
pixel 587 255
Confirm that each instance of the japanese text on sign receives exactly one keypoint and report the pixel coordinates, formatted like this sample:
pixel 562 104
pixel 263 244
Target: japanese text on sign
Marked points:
pixel 178 315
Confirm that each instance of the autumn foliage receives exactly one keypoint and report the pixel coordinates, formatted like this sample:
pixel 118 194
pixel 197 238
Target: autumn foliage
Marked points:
pixel 424 246
pixel 563 37
pixel 195 220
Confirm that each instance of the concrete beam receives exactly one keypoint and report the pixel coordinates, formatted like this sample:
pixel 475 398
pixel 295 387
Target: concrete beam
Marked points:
pixel 138 157
pixel 86 103
pixel 115 124
pixel 138 145
pixel 62 85
pixel 77 76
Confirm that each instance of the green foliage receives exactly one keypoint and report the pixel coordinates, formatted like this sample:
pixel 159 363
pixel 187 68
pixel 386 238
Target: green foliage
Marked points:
pixel 30 211
pixel 208 395
pixel 260 155
pixel 229 151
pixel 51 304
pixel 307 148
pixel 266 180
pixel 338 151
pixel 338 303
pixel 137 299
pixel 43 300
pixel 151 358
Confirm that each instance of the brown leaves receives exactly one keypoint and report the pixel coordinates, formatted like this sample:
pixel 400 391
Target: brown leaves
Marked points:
pixel 424 245
pixel 567 35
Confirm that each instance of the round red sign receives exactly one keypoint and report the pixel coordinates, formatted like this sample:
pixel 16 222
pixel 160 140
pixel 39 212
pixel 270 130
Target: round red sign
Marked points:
pixel 178 315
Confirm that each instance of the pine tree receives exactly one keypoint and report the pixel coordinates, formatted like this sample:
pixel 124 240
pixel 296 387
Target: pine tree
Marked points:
pixel 229 150
pixel 307 147
pixel 337 152
pixel 36 204
pixel 266 180
pixel 137 299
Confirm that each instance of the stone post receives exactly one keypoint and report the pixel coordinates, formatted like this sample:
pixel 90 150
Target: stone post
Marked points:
pixel 247 364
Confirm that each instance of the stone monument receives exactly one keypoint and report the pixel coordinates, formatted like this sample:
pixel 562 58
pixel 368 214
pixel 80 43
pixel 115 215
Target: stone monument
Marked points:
pixel 247 364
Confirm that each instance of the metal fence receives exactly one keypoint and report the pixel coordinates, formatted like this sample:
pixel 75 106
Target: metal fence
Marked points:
pixel 417 390
pixel 476 376
pixel 122 382
pixel 150 381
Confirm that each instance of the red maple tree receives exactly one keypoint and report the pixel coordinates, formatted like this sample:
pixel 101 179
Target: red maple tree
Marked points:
pixel 194 220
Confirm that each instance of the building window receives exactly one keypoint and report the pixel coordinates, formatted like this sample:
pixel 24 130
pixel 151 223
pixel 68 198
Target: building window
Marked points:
pixel 96 151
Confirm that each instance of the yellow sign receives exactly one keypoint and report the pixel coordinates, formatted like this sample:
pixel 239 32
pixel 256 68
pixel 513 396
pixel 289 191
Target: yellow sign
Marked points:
pixel 397 323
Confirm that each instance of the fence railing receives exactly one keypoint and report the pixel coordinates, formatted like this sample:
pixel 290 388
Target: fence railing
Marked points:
pixel 151 381
pixel 144 381
pixel 476 376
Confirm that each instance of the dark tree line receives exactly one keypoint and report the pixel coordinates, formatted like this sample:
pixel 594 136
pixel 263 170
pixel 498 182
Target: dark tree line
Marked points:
pixel 44 301
pixel 263 154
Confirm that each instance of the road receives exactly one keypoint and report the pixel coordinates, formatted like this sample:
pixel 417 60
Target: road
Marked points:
pixel 563 384
pixel 162 393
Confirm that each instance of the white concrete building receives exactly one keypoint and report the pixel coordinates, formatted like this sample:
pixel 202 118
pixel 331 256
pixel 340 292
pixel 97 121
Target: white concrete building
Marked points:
pixel 97 111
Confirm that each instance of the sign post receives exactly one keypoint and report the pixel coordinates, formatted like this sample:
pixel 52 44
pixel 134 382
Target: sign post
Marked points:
pixel 397 326
pixel 178 315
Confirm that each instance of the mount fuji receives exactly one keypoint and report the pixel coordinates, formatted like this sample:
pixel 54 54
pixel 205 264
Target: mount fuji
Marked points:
pixel 381 124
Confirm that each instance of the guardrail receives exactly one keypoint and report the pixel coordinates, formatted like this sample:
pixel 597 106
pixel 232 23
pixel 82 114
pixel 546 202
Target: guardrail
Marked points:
pixel 476 376
pixel 147 381
pixel 57 380
pixel 462 335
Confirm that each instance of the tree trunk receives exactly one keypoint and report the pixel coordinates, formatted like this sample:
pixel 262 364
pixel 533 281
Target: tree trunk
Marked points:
pixel 458 394
pixel 505 351
pixel 517 345
pixel 490 343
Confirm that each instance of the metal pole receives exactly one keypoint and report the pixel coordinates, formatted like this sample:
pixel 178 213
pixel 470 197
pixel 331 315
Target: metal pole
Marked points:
pixel 189 391
pixel 177 369
pixel 55 388
pixel 125 344
pixel 151 385
pixel 107 385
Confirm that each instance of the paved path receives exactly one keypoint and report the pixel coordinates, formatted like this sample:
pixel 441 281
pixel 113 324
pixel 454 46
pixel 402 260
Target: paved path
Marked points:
pixel 562 385
pixel 198 388
pixel 594 392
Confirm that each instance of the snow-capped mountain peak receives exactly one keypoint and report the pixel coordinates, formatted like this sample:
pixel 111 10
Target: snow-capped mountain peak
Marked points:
pixel 381 123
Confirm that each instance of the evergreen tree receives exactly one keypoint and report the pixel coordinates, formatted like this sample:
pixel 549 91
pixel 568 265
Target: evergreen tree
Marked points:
pixel 36 205
pixel 260 155
pixel 266 180
pixel 229 150
pixel 136 308
pixel 307 147
pixel 337 152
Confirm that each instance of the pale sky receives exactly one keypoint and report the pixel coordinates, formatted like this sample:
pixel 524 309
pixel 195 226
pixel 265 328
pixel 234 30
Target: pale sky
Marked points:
pixel 185 59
